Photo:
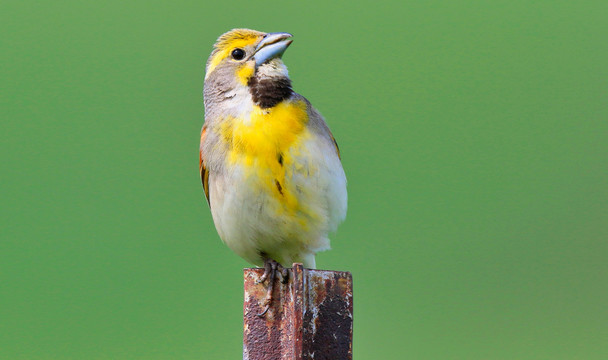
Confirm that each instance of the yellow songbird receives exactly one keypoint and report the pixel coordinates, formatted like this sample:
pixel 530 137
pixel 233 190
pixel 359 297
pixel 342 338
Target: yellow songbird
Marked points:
pixel 270 167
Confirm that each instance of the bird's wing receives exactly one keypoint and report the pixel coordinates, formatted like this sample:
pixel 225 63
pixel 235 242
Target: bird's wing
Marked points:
pixel 335 144
pixel 201 164
pixel 318 123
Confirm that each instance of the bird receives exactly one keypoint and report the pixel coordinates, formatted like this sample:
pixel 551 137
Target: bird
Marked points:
pixel 270 167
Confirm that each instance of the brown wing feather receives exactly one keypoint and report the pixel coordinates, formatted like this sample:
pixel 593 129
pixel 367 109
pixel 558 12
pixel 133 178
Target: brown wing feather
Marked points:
pixel 201 165
pixel 335 144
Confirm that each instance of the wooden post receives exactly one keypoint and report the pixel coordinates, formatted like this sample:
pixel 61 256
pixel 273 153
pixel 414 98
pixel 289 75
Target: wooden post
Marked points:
pixel 310 318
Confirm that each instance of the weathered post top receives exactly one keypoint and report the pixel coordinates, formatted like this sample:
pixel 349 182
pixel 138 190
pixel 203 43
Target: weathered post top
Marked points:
pixel 311 317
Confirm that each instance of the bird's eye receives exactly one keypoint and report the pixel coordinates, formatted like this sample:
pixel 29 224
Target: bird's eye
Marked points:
pixel 238 54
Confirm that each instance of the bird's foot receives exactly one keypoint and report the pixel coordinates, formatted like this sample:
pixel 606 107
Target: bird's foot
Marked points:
pixel 271 270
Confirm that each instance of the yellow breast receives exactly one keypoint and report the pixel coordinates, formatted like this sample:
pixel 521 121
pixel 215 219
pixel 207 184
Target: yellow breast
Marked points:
pixel 263 143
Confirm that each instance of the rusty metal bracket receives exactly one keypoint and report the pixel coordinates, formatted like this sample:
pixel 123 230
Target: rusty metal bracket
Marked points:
pixel 310 318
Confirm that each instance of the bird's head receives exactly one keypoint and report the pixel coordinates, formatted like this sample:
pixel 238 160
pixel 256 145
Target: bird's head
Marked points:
pixel 248 61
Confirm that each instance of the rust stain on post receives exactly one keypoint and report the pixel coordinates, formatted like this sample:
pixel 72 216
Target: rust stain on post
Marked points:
pixel 311 317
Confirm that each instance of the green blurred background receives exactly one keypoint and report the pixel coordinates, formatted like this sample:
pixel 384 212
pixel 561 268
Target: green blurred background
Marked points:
pixel 474 135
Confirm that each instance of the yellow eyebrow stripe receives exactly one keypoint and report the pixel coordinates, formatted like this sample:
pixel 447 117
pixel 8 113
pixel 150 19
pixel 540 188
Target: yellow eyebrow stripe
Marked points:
pixel 223 51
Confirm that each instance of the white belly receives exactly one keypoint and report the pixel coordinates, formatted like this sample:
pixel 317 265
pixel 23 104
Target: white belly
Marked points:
pixel 254 222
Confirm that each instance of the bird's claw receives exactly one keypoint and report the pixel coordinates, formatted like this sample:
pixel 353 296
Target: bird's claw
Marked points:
pixel 269 266
pixel 271 269
pixel 283 273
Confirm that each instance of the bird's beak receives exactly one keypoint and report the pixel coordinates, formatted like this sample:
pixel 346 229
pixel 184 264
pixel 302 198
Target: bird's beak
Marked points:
pixel 273 45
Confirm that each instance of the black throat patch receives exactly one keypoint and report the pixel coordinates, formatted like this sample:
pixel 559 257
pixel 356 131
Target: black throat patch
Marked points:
pixel 266 93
